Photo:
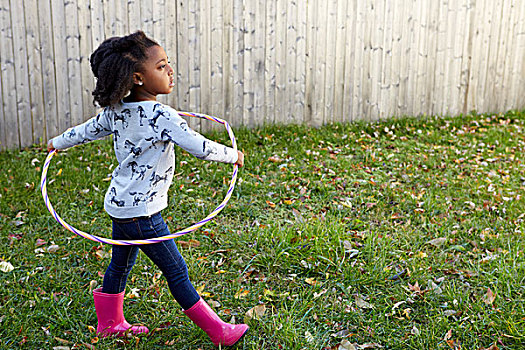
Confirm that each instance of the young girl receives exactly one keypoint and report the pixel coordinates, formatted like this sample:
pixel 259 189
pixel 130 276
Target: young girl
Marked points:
pixel 131 71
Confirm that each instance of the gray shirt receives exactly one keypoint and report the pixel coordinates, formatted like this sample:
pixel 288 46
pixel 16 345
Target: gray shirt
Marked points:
pixel 144 134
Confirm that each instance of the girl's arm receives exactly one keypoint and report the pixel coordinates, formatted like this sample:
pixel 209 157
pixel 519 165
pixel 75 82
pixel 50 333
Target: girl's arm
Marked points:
pixel 93 129
pixel 176 129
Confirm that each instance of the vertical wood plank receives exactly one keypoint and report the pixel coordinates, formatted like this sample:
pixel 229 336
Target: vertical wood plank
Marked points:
pixel 478 57
pixel 319 108
pixel 249 72
pixel 386 107
pixel 270 62
pixel 258 61
pixel 74 76
pixel 61 64
pixel 159 32
pixel 449 103
pixel 340 40
pixel 216 18
pixel 182 56
pixel 22 80
pixel 289 61
pixel 376 57
pixel 135 16
pixel 407 17
pixel 358 62
pixel 367 64
pixel 496 60
pixel 300 64
pixel 280 62
pixel 86 48
pixel 488 84
pixel 227 9
pixel 514 73
pixel 399 24
pixel 430 67
pixel 171 47
pixel 237 72
pixel 7 67
pixel 34 64
pixel 441 53
pixel 350 58
pixel 310 62
pixel 98 34
pixel 205 60
pixel 147 18
pixel 194 43
pixel 329 28
pixel 48 70
pixel 519 61
pixel 466 49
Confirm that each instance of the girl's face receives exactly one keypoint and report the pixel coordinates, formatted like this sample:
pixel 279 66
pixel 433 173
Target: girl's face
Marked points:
pixel 156 75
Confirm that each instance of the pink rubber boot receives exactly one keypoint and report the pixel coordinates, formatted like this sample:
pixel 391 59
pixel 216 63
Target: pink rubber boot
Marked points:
pixel 220 333
pixel 111 320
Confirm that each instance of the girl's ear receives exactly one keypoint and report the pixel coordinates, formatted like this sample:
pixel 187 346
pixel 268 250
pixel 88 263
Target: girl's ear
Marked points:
pixel 137 79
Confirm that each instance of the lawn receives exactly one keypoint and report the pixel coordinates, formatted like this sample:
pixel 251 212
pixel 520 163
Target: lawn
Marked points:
pixel 403 234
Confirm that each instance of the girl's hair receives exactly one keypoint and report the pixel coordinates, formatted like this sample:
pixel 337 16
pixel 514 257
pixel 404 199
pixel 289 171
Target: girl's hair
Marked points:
pixel 113 64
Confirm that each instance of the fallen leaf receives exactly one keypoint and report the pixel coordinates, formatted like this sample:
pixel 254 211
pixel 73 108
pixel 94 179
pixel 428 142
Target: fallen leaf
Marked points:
pixel 489 297
pixel 92 285
pixel 492 347
pixel 255 312
pixel 6 266
pixel 134 293
pixel 270 204
pixel 309 337
pixel 40 242
pixel 63 341
pixel 101 253
pixel 434 287
pixel 241 293
pixel 317 295
pixel 53 248
pixel 193 243
pixel 362 303
pixel 437 242
pixel 214 303
pixel 311 281
pixel 346 345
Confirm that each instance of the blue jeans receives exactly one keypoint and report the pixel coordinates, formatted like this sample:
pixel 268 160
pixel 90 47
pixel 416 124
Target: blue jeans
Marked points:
pixel 164 254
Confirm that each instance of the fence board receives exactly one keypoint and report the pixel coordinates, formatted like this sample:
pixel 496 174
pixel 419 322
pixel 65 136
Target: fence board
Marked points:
pixel 34 64
pixel 73 62
pixel 22 79
pixel 217 61
pixel 86 47
pixel 7 64
pixel 261 62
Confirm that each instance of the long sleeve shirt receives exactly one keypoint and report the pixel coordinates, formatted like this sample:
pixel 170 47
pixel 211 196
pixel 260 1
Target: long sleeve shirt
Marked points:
pixel 144 134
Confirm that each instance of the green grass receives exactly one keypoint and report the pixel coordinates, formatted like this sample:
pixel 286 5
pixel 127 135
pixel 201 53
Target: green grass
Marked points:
pixel 407 234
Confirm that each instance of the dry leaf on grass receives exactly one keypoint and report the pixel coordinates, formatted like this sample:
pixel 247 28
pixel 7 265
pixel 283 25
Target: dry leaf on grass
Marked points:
pixel 489 297
pixel 255 312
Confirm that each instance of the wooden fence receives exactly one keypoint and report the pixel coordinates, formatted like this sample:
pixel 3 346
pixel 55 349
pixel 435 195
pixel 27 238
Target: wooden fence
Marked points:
pixel 268 61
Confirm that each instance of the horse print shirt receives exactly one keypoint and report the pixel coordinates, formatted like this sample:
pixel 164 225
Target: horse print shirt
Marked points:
pixel 143 137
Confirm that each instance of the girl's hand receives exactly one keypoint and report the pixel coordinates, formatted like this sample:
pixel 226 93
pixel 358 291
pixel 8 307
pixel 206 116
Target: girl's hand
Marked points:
pixel 240 159
pixel 50 146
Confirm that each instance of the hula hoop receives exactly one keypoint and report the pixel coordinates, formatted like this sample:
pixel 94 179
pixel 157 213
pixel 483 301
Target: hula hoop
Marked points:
pixel 217 210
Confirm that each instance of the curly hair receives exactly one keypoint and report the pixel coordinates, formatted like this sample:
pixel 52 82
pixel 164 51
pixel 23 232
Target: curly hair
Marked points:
pixel 113 64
